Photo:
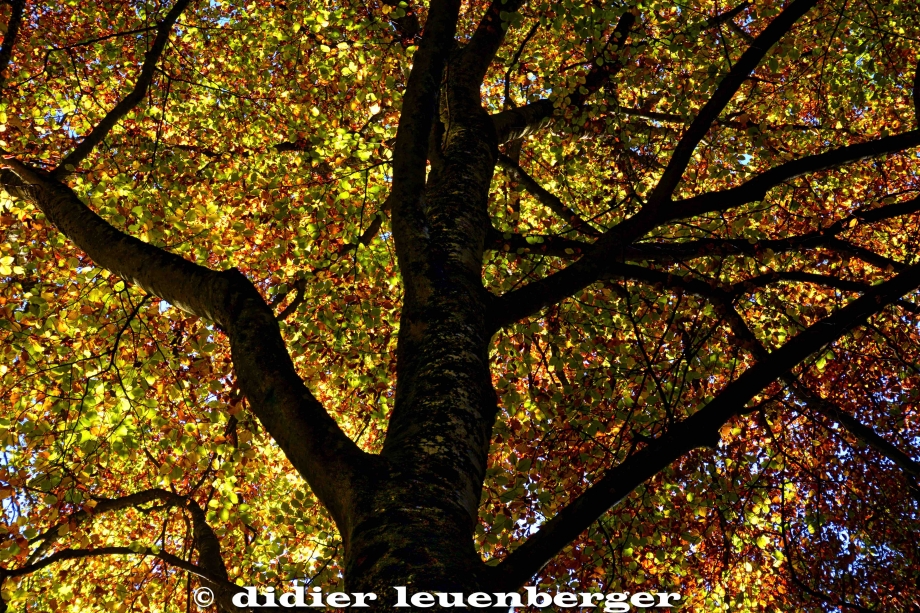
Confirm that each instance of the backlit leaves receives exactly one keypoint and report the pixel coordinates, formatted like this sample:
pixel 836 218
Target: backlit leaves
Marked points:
pixel 265 143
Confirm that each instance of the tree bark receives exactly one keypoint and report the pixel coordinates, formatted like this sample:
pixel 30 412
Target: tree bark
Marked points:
pixel 416 526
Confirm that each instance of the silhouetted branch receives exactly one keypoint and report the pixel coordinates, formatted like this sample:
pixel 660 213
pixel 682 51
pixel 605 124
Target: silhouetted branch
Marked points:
pixel 549 200
pixel 224 588
pixel 821 405
pixel 727 15
pixel 103 505
pixel 756 188
pixel 616 243
pixel 410 152
pixel 525 120
pixel 917 94
pixel 673 252
pixel 861 431
pixel 486 40
pixel 699 430
pixel 99 39
pixel 17 8
pixel 300 286
pixel 514 60
pixel 308 435
pixel 726 90
pixel 127 103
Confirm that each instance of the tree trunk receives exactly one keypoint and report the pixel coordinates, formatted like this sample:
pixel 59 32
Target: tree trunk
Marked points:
pixel 414 538
pixel 416 526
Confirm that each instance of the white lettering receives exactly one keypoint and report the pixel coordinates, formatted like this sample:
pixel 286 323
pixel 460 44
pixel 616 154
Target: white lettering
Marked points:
pixel 587 599
pixel 249 597
pixel 360 597
pixel 502 598
pixel 537 599
pixel 422 599
pixel 293 599
pixel 664 599
pixel 400 596
pixel 444 600
pixel 339 600
pixel 616 603
pixel 566 600
pixel 299 597
pixel 642 599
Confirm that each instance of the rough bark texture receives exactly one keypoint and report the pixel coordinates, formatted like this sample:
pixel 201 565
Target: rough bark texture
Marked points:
pixel 417 528
pixel 302 428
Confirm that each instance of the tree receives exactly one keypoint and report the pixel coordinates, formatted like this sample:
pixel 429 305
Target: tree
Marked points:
pixel 461 297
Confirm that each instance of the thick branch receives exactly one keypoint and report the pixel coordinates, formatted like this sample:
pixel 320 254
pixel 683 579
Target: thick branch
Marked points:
pixel 615 244
pixel 671 252
pixel 104 505
pixel 611 246
pixel 889 211
pixel 723 300
pixel 740 31
pixel 210 558
pixel 225 589
pixel 410 152
pixel 824 238
pixel 866 255
pixel 726 90
pixel 9 39
pixel 724 295
pixel 727 15
pixel 127 103
pixel 699 430
pixel 211 567
pixel 653 115
pixel 486 40
pixel 556 246
pixel 310 438
pixel 522 121
pixel 190 287
pixel 525 120
pixel 825 407
pixel 861 431
pixel 756 188
pixel 300 287
pixel 916 93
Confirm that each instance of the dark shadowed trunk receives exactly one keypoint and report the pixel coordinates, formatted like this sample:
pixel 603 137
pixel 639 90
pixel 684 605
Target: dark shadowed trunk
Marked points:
pixel 416 526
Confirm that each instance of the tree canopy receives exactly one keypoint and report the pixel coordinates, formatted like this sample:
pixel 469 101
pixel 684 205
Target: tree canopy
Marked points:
pixel 600 296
